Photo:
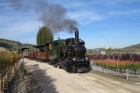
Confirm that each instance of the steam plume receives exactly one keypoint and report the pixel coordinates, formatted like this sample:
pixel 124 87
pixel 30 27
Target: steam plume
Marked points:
pixel 51 15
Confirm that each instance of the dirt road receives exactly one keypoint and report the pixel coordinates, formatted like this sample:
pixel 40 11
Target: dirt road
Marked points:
pixel 54 80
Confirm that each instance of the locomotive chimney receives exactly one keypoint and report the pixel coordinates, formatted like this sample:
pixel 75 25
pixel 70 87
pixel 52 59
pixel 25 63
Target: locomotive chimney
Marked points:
pixel 76 35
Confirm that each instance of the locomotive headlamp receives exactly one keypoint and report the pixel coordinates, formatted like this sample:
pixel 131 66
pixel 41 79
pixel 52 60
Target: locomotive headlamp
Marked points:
pixel 86 58
pixel 80 40
pixel 73 59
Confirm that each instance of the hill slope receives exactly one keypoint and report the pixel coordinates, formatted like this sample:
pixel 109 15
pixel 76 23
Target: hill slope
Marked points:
pixel 10 44
pixel 136 46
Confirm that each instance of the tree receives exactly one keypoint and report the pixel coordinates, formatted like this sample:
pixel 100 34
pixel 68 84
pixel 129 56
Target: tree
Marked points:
pixel 44 36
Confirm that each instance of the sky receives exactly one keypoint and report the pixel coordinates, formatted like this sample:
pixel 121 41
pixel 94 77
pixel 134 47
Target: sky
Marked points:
pixel 101 23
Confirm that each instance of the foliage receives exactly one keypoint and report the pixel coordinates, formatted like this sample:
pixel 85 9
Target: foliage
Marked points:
pixel 117 64
pixel 44 35
pixel 8 59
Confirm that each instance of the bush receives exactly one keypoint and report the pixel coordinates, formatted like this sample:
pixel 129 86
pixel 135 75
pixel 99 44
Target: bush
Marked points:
pixel 122 65
pixel 8 59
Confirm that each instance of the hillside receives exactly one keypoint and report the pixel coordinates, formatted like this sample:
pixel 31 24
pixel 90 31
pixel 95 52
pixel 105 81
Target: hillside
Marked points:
pixel 132 48
pixel 136 46
pixel 10 44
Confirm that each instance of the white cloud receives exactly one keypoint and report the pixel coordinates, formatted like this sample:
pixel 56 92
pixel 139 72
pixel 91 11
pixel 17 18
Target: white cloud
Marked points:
pixel 20 31
pixel 125 12
pixel 75 4
pixel 28 40
pixel 85 17
pixel 97 10
pixel 3 19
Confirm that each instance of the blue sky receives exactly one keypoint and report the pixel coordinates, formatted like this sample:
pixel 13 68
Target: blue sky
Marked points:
pixel 101 23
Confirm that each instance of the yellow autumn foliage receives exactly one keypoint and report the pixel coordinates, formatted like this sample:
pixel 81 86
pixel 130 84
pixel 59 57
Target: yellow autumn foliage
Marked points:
pixel 7 59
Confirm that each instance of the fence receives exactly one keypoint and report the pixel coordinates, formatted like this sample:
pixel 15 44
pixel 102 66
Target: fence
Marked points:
pixel 121 62
pixel 9 78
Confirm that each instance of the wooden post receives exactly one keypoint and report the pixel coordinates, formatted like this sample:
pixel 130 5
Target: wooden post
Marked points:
pixel 127 74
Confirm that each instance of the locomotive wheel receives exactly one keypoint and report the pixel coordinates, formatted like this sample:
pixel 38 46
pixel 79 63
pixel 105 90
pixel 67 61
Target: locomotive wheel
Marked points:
pixel 49 62
pixel 74 70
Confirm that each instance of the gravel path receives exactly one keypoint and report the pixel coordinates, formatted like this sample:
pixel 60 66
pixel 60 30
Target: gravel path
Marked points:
pixel 54 80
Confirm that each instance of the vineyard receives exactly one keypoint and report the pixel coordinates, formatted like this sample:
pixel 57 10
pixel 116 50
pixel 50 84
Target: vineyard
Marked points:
pixel 9 64
pixel 118 61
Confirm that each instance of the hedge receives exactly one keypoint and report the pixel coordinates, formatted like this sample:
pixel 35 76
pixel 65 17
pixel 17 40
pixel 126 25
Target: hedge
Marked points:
pixel 8 59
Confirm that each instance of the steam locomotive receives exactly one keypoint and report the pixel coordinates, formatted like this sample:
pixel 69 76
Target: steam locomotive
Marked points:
pixel 68 54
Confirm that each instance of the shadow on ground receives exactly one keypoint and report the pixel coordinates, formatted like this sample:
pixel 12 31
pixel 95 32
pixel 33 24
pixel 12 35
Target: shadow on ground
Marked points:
pixel 41 82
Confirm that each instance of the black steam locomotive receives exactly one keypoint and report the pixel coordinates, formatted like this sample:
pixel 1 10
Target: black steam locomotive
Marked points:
pixel 69 54
pixel 74 59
